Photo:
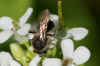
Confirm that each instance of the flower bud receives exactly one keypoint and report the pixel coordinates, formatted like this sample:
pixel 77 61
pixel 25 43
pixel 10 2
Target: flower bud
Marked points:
pixel 18 52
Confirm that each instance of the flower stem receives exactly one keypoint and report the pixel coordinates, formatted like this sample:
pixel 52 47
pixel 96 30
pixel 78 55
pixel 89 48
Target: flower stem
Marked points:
pixel 61 29
pixel 26 44
pixel 29 50
pixel 60 14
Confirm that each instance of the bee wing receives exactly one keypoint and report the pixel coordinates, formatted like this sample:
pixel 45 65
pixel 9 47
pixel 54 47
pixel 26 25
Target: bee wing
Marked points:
pixel 43 15
pixel 33 28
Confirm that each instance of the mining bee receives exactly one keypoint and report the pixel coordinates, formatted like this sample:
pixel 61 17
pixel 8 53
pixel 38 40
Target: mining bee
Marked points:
pixel 40 41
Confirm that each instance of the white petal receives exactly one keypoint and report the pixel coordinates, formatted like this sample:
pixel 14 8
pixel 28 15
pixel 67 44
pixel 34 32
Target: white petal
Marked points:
pixel 71 64
pixel 20 38
pixel 5 59
pixel 78 33
pixel 54 18
pixel 24 18
pixel 14 63
pixel 5 35
pixel 6 23
pixel 52 62
pixel 35 61
pixel 30 35
pixel 68 36
pixel 24 29
pixel 81 55
pixel 67 47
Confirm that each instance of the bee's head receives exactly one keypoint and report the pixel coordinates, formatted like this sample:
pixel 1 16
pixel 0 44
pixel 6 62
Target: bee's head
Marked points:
pixel 50 25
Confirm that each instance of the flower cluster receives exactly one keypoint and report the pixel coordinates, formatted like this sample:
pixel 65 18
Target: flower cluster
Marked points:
pixel 19 30
pixel 71 56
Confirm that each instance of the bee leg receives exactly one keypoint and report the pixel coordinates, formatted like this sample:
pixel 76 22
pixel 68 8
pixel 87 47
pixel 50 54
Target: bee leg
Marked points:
pixel 52 45
pixel 31 34
pixel 52 42
pixel 32 31
pixel 51 38
pixel 51 34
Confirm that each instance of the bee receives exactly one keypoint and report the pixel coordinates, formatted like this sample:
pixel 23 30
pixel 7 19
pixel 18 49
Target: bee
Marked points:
pixel 40 41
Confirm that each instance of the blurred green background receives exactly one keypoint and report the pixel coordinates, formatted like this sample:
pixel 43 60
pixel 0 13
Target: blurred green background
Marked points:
pixel 76 13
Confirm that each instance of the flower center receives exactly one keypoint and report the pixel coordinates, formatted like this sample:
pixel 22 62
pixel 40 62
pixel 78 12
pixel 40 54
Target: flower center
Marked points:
pixel 15 24
pixel 67 61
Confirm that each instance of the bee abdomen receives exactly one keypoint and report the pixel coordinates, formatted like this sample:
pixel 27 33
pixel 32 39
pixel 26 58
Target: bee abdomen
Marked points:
pixel 38 45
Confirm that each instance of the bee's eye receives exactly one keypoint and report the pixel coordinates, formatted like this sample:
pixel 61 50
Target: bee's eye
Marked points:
pixel 50 26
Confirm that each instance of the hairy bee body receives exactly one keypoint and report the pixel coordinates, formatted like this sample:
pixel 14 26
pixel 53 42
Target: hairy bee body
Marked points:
pixel 40 40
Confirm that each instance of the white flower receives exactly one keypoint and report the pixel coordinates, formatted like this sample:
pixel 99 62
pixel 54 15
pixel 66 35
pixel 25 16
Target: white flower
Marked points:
pixel 35 61
pixel 78 56
pixel 47 61
pixel 52 62
pixel 74 57
pixel 6 24
pixel 77 33
pixel 7 60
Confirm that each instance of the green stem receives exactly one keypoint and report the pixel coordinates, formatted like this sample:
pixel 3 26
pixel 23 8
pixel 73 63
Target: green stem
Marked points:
pixel 29 51
pixel 25 64
pixel 60 14
pixel 26 44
